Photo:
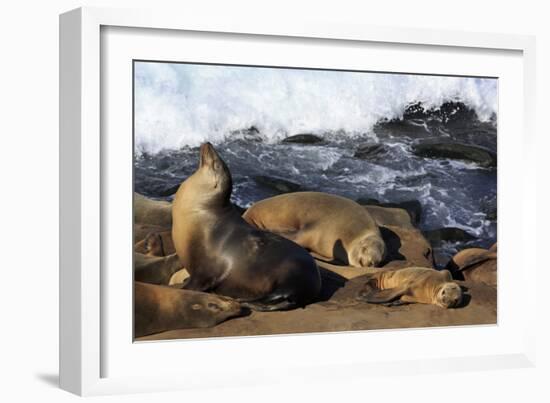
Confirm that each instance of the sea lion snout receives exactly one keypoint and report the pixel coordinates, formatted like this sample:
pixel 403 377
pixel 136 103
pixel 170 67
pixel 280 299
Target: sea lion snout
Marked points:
pixel 208 155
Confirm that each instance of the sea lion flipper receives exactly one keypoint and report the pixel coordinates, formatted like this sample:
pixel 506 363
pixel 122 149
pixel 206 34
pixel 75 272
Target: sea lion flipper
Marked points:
pixel 270 303
pixel 377 296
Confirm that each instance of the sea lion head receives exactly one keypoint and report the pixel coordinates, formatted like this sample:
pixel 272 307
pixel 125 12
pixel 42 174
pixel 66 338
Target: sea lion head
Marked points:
pixel 211 309
pixel 367 252
pixel 211 184
pixel 449 295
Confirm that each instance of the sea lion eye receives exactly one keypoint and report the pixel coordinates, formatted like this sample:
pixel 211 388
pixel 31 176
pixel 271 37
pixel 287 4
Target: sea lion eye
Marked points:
pixel 216 165
pixel 443 293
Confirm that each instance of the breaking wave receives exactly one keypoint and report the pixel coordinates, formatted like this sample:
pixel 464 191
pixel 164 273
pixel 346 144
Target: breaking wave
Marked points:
pixel 179 105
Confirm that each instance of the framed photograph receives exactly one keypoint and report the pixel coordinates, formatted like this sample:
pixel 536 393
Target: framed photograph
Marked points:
pixel 258 193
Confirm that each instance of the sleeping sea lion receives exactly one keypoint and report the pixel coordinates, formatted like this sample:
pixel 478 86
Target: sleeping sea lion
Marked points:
pixel 155 270
pixel 159 308
pixel 225 255
pixel 412 284
pixel 152 212
pixel 475 264
pixel 158 243
pixel 331 226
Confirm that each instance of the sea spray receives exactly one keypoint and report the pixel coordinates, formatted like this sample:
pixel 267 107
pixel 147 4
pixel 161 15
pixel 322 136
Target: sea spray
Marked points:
pixel 179 105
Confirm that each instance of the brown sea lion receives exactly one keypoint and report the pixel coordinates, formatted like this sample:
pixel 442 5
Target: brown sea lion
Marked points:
pixel 225 255
pixel 156 244
pixel 159 308
pixel 152 212
pixel 412 284
pixel 475 264
pixel 331 226
pixel 155 270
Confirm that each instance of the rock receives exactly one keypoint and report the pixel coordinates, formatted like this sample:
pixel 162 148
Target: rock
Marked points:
pixel 408 128
pixel 342 312
pixel 476 265
pixel 458 151
pixel 157 188
pixel 413 207
pixel 448 234
pixel 250 134
pixel 240 209
pixel 277 184
pixel 370 151
pixel 178 278
pixel 304 138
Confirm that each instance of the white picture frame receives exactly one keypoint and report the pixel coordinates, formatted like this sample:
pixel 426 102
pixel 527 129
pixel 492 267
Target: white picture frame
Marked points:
pixel 84 157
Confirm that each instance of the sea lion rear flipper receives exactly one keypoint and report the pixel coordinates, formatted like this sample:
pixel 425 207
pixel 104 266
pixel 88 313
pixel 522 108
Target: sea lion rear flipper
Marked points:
pixel 270 303
pixel 377 296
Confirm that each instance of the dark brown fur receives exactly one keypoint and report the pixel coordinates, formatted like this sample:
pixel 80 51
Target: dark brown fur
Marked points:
pixel 226 255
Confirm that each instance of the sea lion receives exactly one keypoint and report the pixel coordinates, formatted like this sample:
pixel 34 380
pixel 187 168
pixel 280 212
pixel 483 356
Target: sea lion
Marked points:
pixel 475 264
pixel 155 270
pixel 331 226
pixel 159 308
pixel 156 244
pixel 142 230
pixel 412 284
pixel 153 212
pixel 225 255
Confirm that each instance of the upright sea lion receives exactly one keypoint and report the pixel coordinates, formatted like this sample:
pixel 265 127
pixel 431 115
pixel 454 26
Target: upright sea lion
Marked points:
pixel 159 308
pixel 412 284
pixel 155 270
pixel 153 212
pixel 225 255
pixel 331 226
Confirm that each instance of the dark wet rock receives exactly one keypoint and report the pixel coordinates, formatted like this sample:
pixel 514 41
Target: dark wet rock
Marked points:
pixel 249 134
pixel 370 151
pixel 277 184
pixel 492 214
pixel 304 138
pixel 448 234
pixel 412 207
pixel 239 209
pixel 413 129
pixel 157 188
pixel 458 151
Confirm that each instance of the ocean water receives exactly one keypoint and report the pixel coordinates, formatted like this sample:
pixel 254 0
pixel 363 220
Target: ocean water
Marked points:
pixel 246 112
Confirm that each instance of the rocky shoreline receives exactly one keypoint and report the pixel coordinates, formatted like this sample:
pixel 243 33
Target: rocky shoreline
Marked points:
pixel 338 309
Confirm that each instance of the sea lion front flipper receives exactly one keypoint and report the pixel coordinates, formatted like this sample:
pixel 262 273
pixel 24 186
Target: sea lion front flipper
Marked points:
pixel 377 296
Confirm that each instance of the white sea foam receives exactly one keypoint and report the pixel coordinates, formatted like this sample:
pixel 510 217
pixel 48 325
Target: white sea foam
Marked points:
pixel 182 104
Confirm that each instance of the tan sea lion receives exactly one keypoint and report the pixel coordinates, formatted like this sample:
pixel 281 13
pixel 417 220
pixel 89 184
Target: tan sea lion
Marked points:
pixel 412 284
pixel 159 308
pixel 475 264
pixel 155 270
pixel 225 255
pixel 331 226
pixel 152 212
pixel 156 244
